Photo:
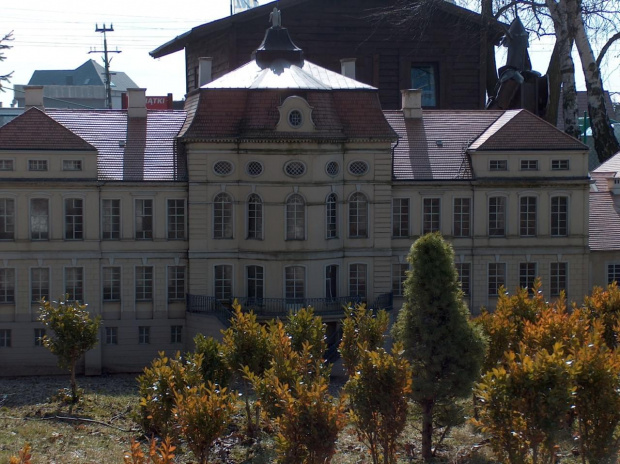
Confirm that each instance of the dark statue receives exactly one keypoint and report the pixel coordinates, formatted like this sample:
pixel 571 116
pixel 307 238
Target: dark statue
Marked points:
pixel 518 85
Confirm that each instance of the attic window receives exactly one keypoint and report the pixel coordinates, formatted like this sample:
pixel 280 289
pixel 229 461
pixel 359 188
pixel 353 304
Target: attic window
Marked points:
pixel 254 168
pixel 358 168
pixel 223 168
pixel 559 165
pixel 295 168
pixel 529 165
pixel 71 165
pixel 498 165
pixel 332 168
pixel 37 165
pixel 6 165
pixel 295 118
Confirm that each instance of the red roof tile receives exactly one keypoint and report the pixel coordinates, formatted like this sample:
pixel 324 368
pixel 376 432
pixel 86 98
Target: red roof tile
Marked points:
pixel 35 130
pixel 140 149
pixel 434 147
pixel 522 130
pixel 232 114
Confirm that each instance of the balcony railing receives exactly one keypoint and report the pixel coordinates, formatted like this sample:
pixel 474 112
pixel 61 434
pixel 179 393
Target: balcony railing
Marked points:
pixel 280 307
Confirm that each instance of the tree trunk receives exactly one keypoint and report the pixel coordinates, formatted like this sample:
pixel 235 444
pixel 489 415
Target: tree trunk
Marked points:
pixel 427 429
pixel 491 65
pixel 564 42
pixel 74 392
pixel 605 142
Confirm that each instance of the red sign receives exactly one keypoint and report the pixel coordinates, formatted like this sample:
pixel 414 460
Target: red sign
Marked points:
pixel 153 103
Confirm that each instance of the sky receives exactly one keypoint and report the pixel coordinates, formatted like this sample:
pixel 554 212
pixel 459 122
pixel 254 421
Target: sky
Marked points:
pixel 60 34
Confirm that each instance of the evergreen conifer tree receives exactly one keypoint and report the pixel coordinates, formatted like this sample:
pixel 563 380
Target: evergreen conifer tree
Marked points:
pixel 445 349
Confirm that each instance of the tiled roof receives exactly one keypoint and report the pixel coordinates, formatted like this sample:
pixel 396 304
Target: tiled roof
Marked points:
pixel 141 149
pixel 522 130
pixel 434 147
pixel 611 165
pixel 35 130
pixel 226 114
pixel 282 74
pixel 604 215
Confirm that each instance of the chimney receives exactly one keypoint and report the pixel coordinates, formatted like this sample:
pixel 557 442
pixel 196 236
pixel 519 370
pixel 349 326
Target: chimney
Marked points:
pixel 412 103
pixel 34 96
pixel 205 65
pixel 136 103
pixel 347 67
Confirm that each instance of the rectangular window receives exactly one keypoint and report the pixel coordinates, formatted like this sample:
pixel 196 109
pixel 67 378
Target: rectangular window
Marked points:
pixel 357 280
pixel 399 274
pixel 5 338
pixel 559 216
pixel 144 283
pixel 37 165
pixel 497 277
pixel 331 281
pixel 255 280
pixel 223 282
pixel 613 273
pixel 110 219
pixel 294 282
pixel 7 219
pixel 39 284
pixel 111 290
pixel 498 165
pixel 558 277
pixel 432 215
pixel 38 337
pixel 176 219
pixel 497 216
pixel 529 165
pixel 111 336
pixel 71 165
pixel 559 165
pixel 400 217
pixel 144 335
pixel 74 219
pixel 464 272
pixel 74 283
pixel 527 216
pixel 144 219
pixel 6 165
pixel 176 334
pixel 176 283
pixel 7 285
pixel 527 275
pixel 424 77
pixel 39 219
pixel 462 217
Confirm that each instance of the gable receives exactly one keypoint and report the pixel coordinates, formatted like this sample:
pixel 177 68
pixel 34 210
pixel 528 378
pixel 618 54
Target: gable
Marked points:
pixel 520 130
pixel 35 130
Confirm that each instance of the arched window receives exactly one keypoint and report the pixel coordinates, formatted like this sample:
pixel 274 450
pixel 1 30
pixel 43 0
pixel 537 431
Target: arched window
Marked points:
pixel 295 218
pixel 255 217
pixel 331 216
pixel 222 216
pixel 358 215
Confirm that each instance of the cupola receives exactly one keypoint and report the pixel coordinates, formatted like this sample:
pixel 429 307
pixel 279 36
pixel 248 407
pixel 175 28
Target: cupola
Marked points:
pixel 277 45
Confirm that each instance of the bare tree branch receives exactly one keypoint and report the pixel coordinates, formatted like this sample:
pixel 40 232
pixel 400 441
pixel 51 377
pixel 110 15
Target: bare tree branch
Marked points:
pixel 606 47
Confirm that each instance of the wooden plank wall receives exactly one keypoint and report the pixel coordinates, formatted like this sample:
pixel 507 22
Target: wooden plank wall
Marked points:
pixel 328 31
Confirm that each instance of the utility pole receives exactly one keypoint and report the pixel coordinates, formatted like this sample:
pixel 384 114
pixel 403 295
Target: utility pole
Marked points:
pixel 106 61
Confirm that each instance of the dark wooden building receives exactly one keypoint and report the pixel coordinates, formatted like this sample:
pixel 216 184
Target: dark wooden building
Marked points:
pixel 442 51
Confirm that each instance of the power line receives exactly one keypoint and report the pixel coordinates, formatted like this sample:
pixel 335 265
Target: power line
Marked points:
pixel 106 60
